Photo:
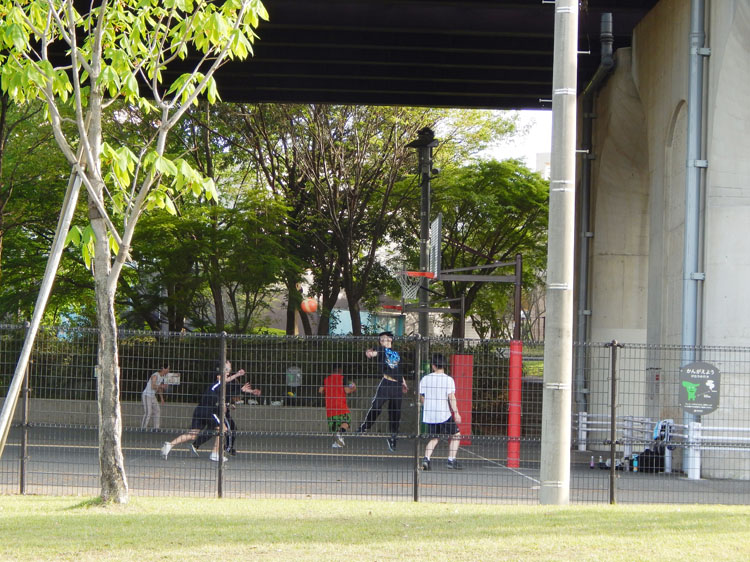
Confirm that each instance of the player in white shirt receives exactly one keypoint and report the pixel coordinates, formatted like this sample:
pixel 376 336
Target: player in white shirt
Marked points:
pixel 151 395
pixel 437 393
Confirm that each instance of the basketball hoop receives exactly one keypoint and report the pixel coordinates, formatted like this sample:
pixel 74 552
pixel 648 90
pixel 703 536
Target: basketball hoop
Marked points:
pixel 410 282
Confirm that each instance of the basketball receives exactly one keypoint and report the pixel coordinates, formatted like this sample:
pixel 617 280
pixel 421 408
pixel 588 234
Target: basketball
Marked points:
pixel 309 305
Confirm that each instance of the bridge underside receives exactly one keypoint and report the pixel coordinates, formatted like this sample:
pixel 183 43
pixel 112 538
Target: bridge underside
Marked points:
pixel 443 53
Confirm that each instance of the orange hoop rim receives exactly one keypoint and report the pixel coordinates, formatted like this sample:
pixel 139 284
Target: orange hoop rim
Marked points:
pixel 427 274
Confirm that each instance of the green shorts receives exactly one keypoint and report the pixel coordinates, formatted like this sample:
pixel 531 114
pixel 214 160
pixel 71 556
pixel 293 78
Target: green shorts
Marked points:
pixel 334 422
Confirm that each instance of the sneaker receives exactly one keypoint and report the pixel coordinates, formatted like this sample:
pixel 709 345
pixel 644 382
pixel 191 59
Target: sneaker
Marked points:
pixel 215 457
pixel 336 445
pixel 194 450
pixel 232 451
pixel 340 440
pixel 426 464
pixel 391 442
pixel 165 449
pixel 453 464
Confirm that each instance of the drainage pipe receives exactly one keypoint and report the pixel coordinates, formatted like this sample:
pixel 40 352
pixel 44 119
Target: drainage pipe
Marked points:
pixel 606 66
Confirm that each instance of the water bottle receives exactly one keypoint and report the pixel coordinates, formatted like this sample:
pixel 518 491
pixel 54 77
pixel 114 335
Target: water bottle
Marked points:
pixel 635 463
pixel 591 462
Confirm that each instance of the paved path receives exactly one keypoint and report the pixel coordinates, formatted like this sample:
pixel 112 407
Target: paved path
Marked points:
pixel 64 461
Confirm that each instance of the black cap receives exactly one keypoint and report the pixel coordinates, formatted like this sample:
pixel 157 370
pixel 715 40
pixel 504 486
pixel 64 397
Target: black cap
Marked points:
pixel 386 333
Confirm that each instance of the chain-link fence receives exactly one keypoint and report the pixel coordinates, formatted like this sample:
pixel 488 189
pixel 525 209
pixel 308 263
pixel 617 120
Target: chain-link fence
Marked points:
pixel 281 444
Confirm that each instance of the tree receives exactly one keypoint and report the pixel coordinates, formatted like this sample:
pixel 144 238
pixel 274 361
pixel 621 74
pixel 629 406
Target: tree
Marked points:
pixel 346 176
pixel 113 51
pixel 491 211
pixel 242 254
pixel 32 180
pixel 354 159
pixel 265 135
pixel 338 169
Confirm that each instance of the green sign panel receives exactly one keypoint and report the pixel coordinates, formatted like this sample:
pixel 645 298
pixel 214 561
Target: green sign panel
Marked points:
pixel 700 387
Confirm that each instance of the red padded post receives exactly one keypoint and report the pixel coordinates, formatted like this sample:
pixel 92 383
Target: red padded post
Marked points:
pixel 514 403
pixel 462 371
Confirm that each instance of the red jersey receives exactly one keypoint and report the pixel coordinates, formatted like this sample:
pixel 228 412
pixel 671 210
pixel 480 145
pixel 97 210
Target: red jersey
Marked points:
pixel 333 386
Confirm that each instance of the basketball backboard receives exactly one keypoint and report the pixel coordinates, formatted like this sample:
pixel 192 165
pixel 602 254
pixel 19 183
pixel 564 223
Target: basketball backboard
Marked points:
pixel 435 248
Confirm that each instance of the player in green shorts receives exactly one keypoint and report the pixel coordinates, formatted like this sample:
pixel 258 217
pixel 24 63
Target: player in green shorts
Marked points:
pixel 337 411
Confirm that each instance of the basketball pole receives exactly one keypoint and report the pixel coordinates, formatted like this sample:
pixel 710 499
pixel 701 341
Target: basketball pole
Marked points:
pixel 424 143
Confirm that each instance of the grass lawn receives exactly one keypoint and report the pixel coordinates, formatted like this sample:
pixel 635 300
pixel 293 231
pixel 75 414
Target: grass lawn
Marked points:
pixel 54 528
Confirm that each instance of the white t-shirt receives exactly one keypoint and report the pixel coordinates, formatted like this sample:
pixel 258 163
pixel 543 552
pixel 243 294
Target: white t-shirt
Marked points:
pixel 149 391
pixel 436 387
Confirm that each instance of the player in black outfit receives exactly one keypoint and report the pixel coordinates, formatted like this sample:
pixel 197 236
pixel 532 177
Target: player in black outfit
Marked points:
pixel 206 415
pixel 233 394
pixel 391 387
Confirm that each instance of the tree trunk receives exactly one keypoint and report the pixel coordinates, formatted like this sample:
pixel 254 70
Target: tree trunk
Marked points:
pixel 305 321
pixel 456 326
pixel 114 486
pixel 293 303
pixel 324 325
pixel 331 287
pixel 354 314
pixel 215 285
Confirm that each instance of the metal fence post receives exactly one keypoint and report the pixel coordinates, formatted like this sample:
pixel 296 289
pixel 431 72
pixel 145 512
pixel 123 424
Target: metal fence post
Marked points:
pixel 222 414
pixel 417 433
pixel 613 345
pixel 24 428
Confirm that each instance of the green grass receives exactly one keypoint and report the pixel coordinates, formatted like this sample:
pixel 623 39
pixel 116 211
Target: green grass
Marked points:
pixel 52 528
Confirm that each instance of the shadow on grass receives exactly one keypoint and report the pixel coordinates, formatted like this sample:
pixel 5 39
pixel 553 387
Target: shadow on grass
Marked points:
pixel 86 504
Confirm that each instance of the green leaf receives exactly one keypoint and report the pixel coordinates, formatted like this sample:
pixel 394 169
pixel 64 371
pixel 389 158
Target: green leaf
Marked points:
pixel 15 37
pixel 170 205
pixel 209 187
pixel 165 166
pixel 130 86
pixel 110 80
pixel 88 236
pixel 86 256
pixel 113 245
pixel 179 83
pixel 34 76
pixel 73 237
pixel 212 93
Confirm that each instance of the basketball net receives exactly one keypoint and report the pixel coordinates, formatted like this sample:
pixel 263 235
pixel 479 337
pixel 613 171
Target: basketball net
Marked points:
pixel 410 282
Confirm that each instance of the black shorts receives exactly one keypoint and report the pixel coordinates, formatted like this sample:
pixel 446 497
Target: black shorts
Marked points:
pixel 448 428
pixel 204 417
